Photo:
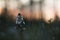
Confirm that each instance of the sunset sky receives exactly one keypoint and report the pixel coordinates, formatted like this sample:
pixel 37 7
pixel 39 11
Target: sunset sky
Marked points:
pixel 47 10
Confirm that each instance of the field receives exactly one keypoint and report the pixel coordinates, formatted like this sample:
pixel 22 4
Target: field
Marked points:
pixel 35 30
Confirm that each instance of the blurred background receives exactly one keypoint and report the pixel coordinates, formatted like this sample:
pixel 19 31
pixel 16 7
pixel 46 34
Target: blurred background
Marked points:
pixel 42 18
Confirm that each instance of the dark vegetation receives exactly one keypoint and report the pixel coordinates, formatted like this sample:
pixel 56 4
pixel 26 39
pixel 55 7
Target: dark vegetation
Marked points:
pixel 35 30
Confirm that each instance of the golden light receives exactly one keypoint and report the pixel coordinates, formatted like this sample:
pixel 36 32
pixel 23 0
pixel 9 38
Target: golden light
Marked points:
pixel 26 13
pixel 57 8
pixel 13 13
pixel 48 10
pixel 36 12
pixel 2 5
pixel 12 8
pixel 1 10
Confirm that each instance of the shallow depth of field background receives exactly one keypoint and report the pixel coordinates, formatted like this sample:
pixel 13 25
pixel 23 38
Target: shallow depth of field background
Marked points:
pixel 42 19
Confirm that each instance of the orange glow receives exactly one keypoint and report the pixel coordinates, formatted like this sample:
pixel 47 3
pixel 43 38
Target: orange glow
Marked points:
pixel 2 5
pixel 13 13
pixel 36 12
pixel 48 14
pixel 27 13
pixel 48 10
pixel 57 8
pixel 31 15
pixel 1 10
